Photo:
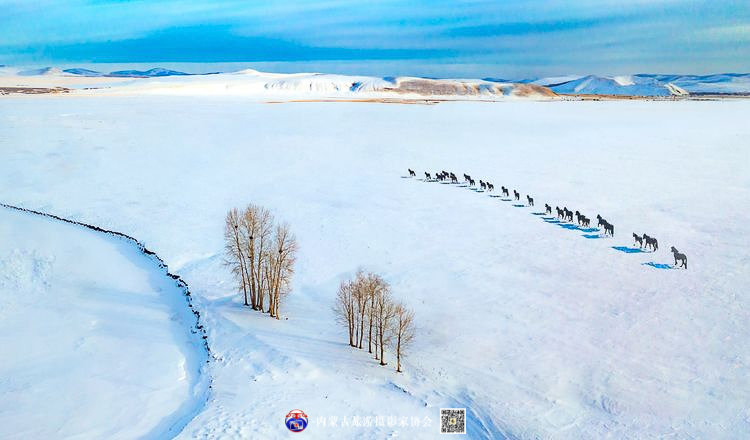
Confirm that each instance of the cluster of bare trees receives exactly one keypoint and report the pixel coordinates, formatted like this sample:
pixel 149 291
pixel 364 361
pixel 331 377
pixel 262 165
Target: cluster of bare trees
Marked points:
pixel 365 305
pixel 261 256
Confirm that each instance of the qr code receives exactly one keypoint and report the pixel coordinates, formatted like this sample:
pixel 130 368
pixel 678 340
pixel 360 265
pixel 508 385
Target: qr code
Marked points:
pixel 453 420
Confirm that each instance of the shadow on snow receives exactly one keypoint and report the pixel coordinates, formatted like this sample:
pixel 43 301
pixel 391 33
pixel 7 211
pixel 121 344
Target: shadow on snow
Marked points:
pixel 628 250
pixel 658 265
pixel 592 236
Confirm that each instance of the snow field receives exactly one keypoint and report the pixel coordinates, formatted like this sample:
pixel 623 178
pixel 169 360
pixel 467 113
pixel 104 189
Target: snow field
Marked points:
pixel 535 329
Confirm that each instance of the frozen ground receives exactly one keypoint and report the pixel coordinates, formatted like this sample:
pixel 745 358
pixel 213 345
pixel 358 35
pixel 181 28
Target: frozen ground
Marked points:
pixel 95 338
pixel 537 330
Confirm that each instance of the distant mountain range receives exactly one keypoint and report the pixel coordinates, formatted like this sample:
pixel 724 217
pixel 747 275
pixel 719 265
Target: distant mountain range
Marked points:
pixel 155 72
pixel 655 85
pixel 648 84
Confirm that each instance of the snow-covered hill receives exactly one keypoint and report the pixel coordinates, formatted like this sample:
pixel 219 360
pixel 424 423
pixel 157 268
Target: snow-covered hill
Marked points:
pixel 649 84
pixel 618 85
pixel 730 83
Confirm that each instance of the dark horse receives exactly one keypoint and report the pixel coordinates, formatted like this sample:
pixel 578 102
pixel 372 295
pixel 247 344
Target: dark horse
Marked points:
pixel 651 242
pixel 638 239
pixel 505 191
pixel 530 200
pixel 601 221
pixel 547 209
pixel 412 173
pixel 518 196
pixel 682 258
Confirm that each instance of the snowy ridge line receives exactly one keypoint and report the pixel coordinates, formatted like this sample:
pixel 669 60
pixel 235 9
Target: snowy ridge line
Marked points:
pixel 199 328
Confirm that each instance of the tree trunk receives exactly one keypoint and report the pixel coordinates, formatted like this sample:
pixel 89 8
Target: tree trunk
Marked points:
pixel 242 264
pixel 382 348
pixel 372 315
pixel 362 324
pixel 398 353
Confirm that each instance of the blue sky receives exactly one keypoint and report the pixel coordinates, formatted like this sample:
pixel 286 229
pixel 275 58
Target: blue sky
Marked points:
pixel 497 38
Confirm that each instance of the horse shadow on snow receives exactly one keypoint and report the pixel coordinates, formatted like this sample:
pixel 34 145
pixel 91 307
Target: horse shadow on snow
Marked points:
pixel 628 250
pixel 659 265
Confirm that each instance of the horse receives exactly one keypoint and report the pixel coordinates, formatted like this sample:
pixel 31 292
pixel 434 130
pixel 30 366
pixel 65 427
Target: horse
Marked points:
pixel 505 191
pixel 482 184
pixel 578 217
pixel 471 182
pixel 560 212
pixel 466 177
pixel 490 187
pixel 547 209
pixel 609 229
pixel 679 257
pixel 601 221
pixel 585 222
pixel 518 196
pixel 427 175
pixel 568 214
pixel 529 200
pixel 652 242
pixel 638 240
pixel 453 178
pixel 412 173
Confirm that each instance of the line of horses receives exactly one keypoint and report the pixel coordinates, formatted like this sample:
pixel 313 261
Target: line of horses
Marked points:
pixel 564 214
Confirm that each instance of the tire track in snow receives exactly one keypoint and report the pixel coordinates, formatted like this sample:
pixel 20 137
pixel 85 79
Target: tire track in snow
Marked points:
pixel 174 424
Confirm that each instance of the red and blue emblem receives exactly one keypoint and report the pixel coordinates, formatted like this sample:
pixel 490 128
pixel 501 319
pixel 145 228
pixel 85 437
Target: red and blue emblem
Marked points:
pixel 296 420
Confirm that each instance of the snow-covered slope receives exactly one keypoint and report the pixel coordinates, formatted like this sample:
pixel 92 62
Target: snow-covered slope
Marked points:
pixel 730 83
pixel 538 330
pixel 649 84
pixel 618 85
pixel 251 83
pixel 96 339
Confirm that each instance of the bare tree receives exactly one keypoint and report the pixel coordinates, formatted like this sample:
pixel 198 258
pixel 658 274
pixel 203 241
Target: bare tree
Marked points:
pixel 403 329
pixel 362 299
pixel 384 310
pixel 344 308
pixel 257 227
pixel 371 284
pixel 281 259
pixel 233 245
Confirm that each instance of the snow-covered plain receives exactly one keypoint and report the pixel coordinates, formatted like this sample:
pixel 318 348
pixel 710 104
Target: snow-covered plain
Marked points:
pixel 537 330
pixel 96 339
